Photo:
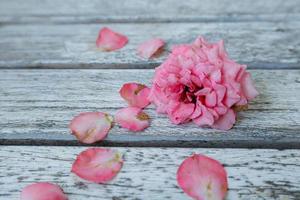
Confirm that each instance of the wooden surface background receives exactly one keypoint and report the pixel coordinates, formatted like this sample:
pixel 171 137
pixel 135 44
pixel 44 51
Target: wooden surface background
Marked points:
pixel 50 71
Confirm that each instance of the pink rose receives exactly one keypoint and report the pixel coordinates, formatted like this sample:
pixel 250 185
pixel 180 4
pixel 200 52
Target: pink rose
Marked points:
pixel 199 82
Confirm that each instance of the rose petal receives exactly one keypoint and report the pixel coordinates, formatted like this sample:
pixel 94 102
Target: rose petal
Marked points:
pixel 43 191
pixel 202 178
pixel 226 121
pixel 98 165
pixel 211 99
pixel 150 47
pixel 108 40
pixel 181 112
pixel 206 118
pixel 90 127
pixel 132 118
pixel 248 87
pixel 135 94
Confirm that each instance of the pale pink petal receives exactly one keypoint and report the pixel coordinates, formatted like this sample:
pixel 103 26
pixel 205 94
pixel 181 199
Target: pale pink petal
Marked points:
pixel 135 94
pixel 43 191
pixel 203 92
pixel 181 113
pixel 226 121
pixel 132 118
pixel 90 127
pixel 231 97
pixel 108 40
pixel 216 76
pixel 206 118
pixel 211 99
pixel 248 87
pixel 197 112
pixel 150 47
pixel 202 178
pixel 98 165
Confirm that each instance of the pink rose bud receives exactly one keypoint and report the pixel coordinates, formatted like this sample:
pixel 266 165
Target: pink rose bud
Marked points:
pixel 98 165
pixel 132 118
pixel 198 82
pixel 108 40
pixel 150 47
pixel 202 178
pixel 90 127
pixel 135 94
pixel 43 191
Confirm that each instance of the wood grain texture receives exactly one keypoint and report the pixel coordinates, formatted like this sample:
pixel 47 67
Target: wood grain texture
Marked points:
pixel 150 173
pixel 258 44
pixel 37 105
pixel 91 11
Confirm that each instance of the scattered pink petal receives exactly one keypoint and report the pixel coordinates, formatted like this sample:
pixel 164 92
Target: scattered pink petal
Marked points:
pixel 91 127
pixel 132 118
pixel 150 47
pixel 98 165
pixel 202 178
pixel 135 94
pixel 43 191
pixel 108 40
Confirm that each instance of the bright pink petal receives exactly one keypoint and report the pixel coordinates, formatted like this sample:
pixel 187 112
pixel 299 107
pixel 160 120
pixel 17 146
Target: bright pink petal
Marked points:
pixel 91 127
pixel 202 178
pixel 98 165
pixel 108 40
pixel 43 191
pixel 150 47
pixel 132 118
pixel 248 87
pixel 135 94
pixel 226 121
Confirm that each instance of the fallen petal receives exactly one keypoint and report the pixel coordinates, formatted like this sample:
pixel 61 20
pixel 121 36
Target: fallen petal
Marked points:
pixel 135 94
pixel 226 121
pixel 91 127
pixel 108 40
pixel 132 118
pixel 98 165
pixel 43 191
pixel 202 178
pixel 150 47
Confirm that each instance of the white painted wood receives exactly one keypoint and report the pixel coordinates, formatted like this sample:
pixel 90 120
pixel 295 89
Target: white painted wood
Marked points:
pixel 87 11
pixel 37 105
pixel 150 173
pixel 259 44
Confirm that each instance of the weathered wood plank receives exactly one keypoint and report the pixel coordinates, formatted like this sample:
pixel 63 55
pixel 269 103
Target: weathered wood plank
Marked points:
pixel 72 11
pixel 260 45
pixel 37 105
pixel 150 173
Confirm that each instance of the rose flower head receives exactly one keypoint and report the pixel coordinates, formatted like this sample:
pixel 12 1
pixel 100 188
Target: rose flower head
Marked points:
pixel 198 82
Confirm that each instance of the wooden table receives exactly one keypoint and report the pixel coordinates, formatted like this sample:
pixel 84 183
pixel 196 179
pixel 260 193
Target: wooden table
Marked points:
pixel 50 71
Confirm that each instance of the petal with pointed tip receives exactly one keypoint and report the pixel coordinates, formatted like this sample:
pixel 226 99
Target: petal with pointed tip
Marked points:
pixel 108 40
